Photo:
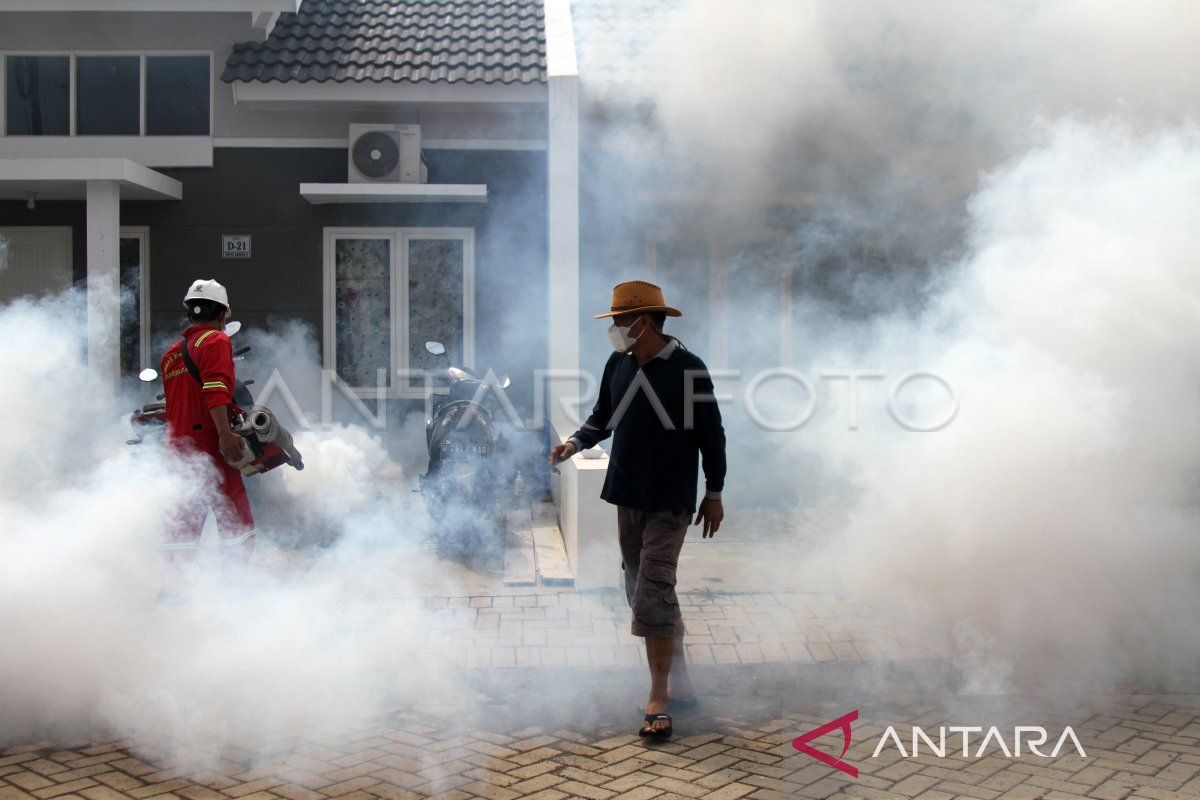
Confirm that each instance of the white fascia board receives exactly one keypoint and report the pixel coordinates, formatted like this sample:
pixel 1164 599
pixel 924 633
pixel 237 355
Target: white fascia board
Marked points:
pixel 426 144
pixel 119 170
pixel 191 6
pixel 146 178
pixel 323 193
pixel 265 21
pixel 300 96
pixel 152 151
pixel 560 39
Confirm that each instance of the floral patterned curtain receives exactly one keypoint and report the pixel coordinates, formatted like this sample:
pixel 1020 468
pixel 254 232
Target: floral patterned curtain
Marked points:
pixel 435 299
pixel 363 302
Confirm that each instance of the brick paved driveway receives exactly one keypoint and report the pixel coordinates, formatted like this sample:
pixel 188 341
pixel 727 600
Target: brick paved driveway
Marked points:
pixel 508 737
pixel 592 629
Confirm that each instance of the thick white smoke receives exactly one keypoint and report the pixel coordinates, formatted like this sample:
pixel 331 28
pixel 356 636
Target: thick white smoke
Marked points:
pixel 1049 526
pixel 1052 526
pixel 91 647
pixel 1029 172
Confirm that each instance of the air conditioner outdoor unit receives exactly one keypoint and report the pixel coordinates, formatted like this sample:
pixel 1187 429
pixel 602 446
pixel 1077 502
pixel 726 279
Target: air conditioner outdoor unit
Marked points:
pixel 385 154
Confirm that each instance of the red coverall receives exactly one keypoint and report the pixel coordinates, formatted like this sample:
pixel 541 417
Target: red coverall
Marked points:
pixel 190 428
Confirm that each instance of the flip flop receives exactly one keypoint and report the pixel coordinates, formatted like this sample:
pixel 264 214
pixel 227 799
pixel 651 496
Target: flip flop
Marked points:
pixel 656 733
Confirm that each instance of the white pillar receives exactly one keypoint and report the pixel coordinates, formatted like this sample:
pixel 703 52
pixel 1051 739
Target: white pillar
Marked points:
pixel 104 284
pixel 588 523
pixel 563 199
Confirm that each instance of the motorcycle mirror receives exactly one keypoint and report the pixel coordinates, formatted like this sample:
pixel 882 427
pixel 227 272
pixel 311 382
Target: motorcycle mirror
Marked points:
pixel 232 327
pixel 435 348
pixel 505 382
pixel 458 374
pixel 147 375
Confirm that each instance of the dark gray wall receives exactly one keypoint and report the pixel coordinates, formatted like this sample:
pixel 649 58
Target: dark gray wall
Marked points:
pixel 256 192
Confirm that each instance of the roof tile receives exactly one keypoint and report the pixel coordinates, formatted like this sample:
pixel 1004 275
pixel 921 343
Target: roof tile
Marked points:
pixel 422 41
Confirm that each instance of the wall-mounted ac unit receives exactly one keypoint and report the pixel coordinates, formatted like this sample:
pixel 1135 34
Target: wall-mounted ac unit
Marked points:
pixel 385 154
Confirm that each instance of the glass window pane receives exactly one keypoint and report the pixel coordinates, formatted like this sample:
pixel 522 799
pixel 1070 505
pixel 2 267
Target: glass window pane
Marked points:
pixel 38 92
pixel 107 95
pixel 435 300
pixel 131 304
pixel 177 95
pixel 362 310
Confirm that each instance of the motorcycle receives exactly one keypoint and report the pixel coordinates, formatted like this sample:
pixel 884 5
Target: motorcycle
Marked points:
pixel 267 443
pixel 468 477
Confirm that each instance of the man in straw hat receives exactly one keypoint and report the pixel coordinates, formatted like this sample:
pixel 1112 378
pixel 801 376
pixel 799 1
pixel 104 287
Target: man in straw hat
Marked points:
pixel 656 399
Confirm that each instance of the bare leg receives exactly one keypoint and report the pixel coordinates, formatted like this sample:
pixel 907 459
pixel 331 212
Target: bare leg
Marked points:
pixel 680 681
pixel 659 653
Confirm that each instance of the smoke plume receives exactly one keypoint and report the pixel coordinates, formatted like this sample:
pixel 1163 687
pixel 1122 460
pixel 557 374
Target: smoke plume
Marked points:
pixel 1002 195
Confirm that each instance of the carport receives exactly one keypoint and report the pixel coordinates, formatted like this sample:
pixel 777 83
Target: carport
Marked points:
pixel 102 183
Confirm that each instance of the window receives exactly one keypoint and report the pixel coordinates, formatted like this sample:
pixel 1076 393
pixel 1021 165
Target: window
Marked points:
pixel 177 95
pixel 387 292
pixel 38 92
pixel 363 308
pixel 108 95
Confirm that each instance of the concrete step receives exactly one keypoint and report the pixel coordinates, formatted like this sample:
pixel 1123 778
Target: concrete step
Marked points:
pixel 553 567
pixel 520 568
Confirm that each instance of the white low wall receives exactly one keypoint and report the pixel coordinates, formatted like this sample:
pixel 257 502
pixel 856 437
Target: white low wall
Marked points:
pixel 588 524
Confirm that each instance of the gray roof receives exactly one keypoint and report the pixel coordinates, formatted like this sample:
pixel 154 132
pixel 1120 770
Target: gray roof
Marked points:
pixel 425 41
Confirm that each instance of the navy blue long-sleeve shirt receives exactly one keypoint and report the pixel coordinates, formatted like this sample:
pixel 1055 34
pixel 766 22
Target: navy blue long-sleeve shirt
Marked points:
pixel 657 446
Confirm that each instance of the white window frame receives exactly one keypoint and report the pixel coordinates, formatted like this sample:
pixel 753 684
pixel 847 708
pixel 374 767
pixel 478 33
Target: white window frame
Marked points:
pixel 399 332
pixel 142 234
pixel 72 55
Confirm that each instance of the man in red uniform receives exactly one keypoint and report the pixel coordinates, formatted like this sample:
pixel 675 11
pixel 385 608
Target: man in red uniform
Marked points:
pixel 198 381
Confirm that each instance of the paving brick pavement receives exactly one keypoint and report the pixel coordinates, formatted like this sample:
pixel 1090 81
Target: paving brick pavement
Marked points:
pixel 1137 747
pixel 553 629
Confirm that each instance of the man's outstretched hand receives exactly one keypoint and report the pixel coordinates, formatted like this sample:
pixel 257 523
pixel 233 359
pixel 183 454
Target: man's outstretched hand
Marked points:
pixel 560 453
pixel 712 512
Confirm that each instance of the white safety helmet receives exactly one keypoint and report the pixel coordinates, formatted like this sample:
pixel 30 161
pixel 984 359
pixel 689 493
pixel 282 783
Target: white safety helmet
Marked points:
pixel 207 290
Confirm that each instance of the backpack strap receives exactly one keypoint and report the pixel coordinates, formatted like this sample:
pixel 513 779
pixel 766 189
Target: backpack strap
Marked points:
pixel 188 362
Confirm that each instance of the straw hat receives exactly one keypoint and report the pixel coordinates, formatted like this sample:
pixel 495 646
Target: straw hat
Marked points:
pixel 633 297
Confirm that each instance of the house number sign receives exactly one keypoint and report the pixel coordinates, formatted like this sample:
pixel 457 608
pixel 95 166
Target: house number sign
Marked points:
pixel 235 247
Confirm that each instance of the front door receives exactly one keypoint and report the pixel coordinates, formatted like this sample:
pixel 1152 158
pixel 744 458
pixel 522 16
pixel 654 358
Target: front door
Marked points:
pixel 34 262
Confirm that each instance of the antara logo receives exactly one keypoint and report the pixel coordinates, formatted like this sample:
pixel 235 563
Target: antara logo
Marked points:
pixel 842 722
pixel 1035 737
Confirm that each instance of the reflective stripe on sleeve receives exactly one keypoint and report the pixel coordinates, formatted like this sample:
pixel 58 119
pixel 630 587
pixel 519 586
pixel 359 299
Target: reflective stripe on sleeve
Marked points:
pixel 238 539
pixel 214 385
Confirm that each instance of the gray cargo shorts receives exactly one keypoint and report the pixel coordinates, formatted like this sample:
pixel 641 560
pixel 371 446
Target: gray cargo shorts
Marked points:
pixel 650 545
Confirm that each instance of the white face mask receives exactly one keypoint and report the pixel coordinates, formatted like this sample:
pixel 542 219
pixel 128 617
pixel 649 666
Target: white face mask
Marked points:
pixel 620 338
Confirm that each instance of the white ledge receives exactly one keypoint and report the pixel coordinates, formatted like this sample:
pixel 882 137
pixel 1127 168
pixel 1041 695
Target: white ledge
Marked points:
pixel 151 151
pixel 67 178
pixel 319 193
pixel 306 95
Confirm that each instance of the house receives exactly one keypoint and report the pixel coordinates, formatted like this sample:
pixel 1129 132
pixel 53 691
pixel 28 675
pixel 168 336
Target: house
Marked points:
pixel 148 142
